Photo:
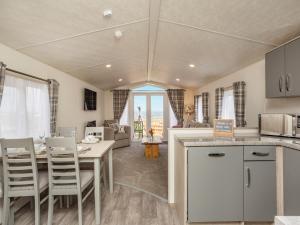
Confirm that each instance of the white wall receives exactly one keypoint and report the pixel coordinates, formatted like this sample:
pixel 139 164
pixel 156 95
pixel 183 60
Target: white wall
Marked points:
pixel 70 105
pixel 254 76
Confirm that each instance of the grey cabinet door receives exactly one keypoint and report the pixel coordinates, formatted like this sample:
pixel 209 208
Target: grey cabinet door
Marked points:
pixel 275 73
pixel 259 190
pixel 292 68
pixel 215 184
pixel 291 182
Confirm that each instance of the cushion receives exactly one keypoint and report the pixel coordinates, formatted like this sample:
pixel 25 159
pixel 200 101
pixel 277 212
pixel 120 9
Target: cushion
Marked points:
pixel 107 122
pixel 120 136
pixel 115 126
pixel 121 129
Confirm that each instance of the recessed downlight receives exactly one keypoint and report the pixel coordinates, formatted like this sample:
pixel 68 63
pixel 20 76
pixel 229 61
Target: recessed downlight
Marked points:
pixel 177 79
pixel 108 65
pixel 192 65
pixel 120 79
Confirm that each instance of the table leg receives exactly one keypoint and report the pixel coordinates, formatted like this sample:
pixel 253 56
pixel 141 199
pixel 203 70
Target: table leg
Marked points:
pixel 110 165
pixel 97 183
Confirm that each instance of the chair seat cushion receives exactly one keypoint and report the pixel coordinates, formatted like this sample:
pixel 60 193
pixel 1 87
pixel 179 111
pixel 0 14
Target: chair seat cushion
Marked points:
pixel 86 177
pixel 43 183
pixel 120 136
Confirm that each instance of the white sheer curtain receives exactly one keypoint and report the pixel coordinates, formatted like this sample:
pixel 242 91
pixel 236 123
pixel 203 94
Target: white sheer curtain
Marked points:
pixel 24 110
pixel 199 110
pixel 228 105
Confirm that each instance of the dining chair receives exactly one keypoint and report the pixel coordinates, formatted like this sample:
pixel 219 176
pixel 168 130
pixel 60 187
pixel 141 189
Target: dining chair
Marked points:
pixel 66 132
pixel 97 132
pixel 21 177
pixel 65 177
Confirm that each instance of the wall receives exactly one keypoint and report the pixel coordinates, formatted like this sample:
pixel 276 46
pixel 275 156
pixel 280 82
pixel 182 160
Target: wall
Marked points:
pixel 254 76
pixel 70 105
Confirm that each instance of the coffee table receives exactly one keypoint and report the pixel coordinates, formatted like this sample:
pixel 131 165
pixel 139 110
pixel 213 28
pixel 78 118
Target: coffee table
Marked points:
pixel 151 147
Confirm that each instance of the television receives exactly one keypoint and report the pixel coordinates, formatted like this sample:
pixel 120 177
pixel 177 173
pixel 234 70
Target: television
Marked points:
pixel 90 100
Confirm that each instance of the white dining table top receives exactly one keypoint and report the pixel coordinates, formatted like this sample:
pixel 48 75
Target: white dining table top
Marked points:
pixel 96 150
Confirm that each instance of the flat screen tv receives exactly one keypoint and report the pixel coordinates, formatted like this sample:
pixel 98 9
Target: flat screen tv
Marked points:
pixel 90 100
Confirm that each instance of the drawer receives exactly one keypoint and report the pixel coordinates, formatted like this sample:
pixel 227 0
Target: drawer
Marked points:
pixel 259 152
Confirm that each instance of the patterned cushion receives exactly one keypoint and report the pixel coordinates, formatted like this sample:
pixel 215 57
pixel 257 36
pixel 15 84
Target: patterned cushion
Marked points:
pixel 115 126
pixel 108 122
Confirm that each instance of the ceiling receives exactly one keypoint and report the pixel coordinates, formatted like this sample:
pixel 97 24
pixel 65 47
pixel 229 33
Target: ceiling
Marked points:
pixel 160 37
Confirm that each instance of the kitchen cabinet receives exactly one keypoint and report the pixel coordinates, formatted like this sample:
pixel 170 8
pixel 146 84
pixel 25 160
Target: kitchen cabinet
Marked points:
pixel 275 73
pixel 260 191
pixel 292 67
pixel 215 184
pixel 283 71
pixel 259 183
pixel 291 181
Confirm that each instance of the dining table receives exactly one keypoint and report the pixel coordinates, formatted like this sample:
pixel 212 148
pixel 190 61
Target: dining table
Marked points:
pixel 91 153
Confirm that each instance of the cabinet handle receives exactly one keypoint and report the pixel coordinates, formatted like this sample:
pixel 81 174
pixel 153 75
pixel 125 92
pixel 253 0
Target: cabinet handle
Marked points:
pixel 216 154
pixel 260 153
pixel 280 83
pixel 287 82
pixel 248 177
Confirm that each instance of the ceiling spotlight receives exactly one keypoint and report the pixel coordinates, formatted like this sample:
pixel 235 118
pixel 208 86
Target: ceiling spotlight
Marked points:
pixel 177 79
pixel 118 34
pixel 120 79
pixel 192 65
pixel 107 13
pixel 108 66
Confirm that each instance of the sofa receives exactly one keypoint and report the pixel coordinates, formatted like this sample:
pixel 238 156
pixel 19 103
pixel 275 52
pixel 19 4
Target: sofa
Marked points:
pixel 122 139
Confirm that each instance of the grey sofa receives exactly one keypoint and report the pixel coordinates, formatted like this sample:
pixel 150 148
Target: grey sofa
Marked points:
pixel 121 139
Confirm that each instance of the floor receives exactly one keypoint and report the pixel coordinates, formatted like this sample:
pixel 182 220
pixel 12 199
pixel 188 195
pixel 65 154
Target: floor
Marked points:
pixel 130 203
pixel 131 168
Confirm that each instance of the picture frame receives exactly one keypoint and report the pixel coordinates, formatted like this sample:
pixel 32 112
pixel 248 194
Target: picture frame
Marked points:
pixel 223 128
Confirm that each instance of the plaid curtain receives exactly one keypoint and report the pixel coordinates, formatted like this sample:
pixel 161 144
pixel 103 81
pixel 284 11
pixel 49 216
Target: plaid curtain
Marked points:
pixel 196 98
pixel 239 103
pixel 219 100
pixel 176 98
pixel 120 98
pixel 2 78
pixel 53 87
pixel 205 107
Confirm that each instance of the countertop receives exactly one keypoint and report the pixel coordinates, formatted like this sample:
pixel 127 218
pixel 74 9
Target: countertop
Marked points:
pixel 254 140
pixel 287 220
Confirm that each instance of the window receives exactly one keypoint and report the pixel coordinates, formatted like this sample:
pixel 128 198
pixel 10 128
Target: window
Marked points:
pixel 228 105
pixel 199 110
pixel 124 118
pixel 25 109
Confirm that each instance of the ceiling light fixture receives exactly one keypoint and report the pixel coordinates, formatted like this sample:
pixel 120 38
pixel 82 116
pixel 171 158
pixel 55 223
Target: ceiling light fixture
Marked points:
pixel 192 65
pixel 107 13
pixel 118 34
pixel 120 79
pixel 108 66
pixel 177 79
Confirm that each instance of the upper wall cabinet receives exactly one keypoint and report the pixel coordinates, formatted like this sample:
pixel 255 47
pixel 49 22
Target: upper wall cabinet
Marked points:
pixel 283 71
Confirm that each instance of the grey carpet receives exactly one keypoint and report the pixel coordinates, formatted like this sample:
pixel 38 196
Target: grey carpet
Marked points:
pixel 132 168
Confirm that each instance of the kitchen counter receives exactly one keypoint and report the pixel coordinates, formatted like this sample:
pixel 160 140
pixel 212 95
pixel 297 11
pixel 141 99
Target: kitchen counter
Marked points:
pixel 213 141
pixel 287 220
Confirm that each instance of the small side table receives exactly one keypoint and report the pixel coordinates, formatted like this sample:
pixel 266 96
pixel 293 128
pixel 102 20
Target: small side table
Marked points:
pixel 151 147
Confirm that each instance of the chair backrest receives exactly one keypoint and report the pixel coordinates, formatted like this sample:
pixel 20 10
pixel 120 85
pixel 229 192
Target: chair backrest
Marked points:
pixel 63 166
pixel 66 132
pixel 138 126
pixel 19 167
pixel 98 132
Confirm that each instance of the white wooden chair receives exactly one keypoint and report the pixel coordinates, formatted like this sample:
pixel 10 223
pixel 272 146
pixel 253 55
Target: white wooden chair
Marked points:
pixel 21 177
pixel 97 132
pixel 66 132
pixel 65 177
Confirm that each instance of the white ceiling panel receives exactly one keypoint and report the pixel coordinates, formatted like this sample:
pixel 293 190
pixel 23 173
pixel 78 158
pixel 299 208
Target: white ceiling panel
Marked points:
pixel 213 55
pixel 270 21
pixel 24 23
pixel 218 36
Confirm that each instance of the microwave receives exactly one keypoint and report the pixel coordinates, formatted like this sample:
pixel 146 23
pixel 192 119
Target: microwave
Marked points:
pixel 279 124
